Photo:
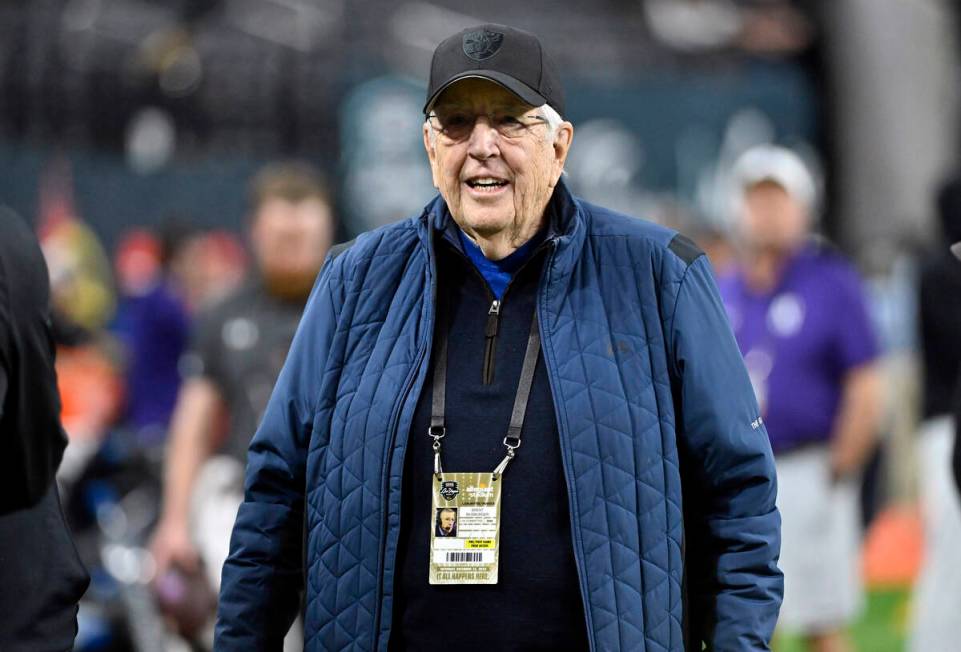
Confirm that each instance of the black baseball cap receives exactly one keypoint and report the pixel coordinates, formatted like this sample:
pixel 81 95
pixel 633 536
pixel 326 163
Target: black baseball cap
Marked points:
pixel 506 56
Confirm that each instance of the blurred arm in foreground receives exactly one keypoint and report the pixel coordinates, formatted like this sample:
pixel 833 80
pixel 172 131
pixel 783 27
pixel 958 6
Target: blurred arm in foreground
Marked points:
pixel 41 576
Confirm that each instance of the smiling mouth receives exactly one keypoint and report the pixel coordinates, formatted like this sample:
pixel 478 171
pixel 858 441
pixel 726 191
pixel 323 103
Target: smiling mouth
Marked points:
pixel 486 183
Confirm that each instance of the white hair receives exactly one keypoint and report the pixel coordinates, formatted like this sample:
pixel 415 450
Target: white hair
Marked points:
pixel 553 118
pixel 549 113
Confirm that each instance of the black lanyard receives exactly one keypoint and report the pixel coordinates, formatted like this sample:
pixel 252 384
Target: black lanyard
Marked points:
pixel 512 441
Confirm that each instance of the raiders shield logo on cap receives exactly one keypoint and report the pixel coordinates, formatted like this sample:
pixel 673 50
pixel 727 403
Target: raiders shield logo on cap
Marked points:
pixel 482 44
pixel 448 489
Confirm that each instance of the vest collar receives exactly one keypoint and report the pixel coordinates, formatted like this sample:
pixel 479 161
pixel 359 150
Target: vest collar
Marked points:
pixel 566 226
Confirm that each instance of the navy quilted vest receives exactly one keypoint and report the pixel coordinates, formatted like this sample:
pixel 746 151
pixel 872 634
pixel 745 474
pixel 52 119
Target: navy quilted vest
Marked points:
pixel 670 476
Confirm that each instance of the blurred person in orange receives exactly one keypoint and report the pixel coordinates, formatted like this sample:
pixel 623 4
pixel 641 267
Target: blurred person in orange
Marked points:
pixel 239 346
pixel 88 363
pixel 41 575
pixel 935 623
pixel 798 311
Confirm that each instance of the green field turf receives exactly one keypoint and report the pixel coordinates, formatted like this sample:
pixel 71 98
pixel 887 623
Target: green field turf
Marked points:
pixel 881 627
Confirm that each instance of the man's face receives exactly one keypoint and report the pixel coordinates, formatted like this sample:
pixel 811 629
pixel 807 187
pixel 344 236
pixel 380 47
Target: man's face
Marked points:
pixel 771 218
pixel 525 169
pixel 447 520
pixel 290 240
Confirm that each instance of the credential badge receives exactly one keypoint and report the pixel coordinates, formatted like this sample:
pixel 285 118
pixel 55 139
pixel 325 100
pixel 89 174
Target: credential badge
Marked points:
pixel 448 489
pixel 482 44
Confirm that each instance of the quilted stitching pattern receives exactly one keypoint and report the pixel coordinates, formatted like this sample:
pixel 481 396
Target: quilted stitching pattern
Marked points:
pixel 343 551
pixel 606 349
pixel 607 313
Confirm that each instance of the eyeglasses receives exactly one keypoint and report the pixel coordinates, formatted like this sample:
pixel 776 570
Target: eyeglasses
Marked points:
pixel 457 125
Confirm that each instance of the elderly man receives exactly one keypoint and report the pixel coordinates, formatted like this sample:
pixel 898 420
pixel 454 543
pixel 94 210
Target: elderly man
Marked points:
pixel 562 375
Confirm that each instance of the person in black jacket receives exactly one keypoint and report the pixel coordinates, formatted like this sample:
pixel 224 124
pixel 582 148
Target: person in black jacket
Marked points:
pixel 937 592
pixel 940 309
pixel 41 576
pixel 956 456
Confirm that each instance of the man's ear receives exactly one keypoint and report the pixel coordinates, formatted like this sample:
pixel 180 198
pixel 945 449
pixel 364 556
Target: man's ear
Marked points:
pixel 562 145
pixel 431 150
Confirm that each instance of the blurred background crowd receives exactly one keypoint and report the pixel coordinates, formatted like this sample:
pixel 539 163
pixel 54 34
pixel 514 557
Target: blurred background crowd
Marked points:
pixel 150 144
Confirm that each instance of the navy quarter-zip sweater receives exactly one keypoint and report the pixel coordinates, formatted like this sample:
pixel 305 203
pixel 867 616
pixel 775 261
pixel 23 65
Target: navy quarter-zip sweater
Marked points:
pixel 536 604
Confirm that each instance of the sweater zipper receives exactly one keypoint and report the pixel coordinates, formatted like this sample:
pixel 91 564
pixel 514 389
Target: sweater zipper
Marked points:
pixel 490 338
pixel 492 326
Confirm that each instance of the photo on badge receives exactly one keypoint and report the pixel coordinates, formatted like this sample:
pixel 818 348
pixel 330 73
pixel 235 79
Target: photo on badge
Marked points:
pixel 445 522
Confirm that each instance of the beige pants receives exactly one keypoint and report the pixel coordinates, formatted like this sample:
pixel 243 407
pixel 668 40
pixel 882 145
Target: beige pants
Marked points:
pixel 820 543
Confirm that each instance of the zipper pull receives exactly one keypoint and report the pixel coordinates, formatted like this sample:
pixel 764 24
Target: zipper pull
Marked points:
pixel 492 319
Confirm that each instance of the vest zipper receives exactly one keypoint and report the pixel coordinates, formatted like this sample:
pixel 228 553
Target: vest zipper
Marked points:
pixel 490 338
pixel 416 377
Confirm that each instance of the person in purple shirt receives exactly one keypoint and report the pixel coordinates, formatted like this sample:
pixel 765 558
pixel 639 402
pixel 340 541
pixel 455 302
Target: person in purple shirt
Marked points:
pixel 153 324
pixel 798 311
